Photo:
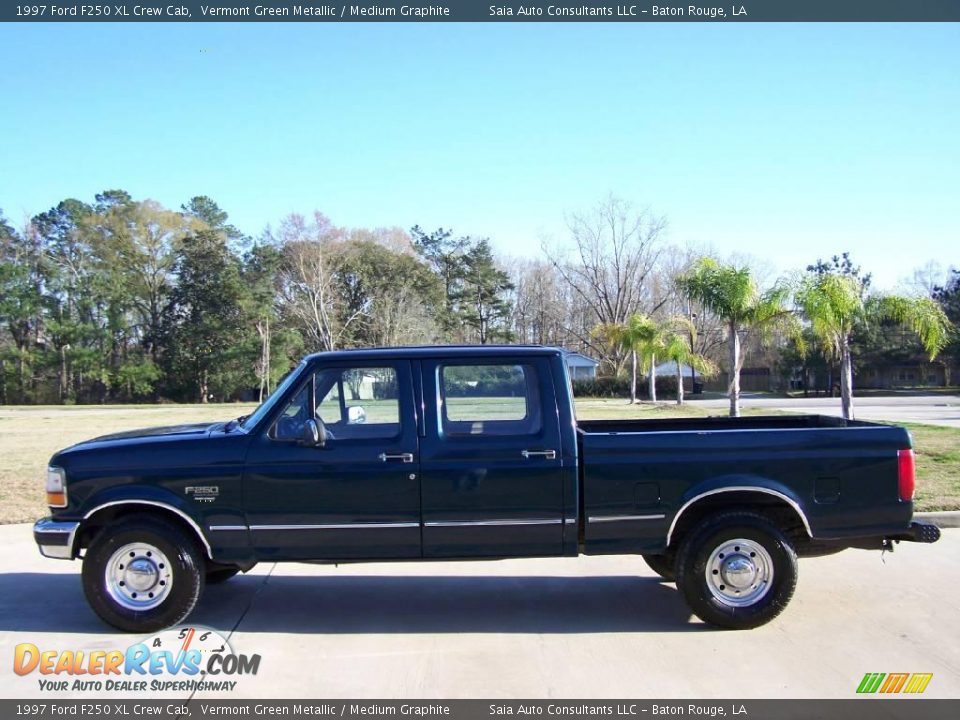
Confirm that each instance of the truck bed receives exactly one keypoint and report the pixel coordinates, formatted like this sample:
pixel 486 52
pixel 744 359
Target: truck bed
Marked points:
pixel 753 422
pixel 637 475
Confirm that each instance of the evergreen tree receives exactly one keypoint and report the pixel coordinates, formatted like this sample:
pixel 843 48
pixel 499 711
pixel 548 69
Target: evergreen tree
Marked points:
pixel 205 316
pixel 482 299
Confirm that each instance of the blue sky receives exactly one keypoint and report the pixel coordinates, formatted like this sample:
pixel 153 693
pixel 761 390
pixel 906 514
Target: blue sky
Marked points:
pixel 786 142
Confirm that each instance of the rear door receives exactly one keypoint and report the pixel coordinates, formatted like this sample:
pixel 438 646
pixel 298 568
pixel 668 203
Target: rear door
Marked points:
pixel 358 496
pixel 491 475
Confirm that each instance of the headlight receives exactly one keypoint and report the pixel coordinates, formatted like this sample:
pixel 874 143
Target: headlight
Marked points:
pixel 56 487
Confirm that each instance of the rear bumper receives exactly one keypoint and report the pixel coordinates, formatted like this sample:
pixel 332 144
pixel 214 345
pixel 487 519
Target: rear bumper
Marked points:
pixel 55 538
pixel 920 532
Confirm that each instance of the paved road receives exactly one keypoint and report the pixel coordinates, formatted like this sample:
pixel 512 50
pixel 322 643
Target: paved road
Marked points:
pixel 927 409
pixel 561 628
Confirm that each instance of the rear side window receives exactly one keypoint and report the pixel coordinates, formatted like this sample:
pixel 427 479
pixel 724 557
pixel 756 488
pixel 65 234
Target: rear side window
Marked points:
pixel 490 399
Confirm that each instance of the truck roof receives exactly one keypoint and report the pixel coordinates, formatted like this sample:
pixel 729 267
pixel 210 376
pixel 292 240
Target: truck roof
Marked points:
pixel 432 351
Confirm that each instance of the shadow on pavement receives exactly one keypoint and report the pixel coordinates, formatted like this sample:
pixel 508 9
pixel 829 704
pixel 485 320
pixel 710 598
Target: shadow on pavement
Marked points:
pixel 379 604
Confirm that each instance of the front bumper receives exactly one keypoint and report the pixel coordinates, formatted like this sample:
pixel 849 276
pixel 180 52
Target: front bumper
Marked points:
pixel 55 538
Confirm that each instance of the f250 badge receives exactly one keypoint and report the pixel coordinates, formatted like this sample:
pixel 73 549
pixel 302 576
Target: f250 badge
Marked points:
pixel 203 493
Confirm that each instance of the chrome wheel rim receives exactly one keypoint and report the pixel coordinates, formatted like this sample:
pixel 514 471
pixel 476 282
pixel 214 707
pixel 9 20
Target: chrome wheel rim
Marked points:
pixel 138 576
pixel 739 572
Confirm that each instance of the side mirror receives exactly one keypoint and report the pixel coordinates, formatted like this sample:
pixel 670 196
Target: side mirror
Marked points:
pixel 356 415
pixel 312 435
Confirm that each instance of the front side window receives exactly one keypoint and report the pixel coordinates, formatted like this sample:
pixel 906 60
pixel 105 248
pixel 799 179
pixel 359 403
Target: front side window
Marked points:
pixel 490 400
pixel 351 403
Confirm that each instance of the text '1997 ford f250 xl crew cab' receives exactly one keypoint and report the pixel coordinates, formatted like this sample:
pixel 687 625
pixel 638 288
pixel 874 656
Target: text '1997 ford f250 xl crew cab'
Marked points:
pixel 455 453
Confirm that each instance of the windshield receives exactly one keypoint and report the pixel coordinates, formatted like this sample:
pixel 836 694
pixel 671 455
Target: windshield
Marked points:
pixel 253 418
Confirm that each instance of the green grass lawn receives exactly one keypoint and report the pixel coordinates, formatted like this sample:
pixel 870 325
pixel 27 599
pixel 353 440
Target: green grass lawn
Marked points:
pixel 30 435
pixel 938 466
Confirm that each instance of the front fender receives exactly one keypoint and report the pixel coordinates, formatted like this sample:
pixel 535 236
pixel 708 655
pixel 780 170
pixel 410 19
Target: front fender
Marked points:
pixel 147 496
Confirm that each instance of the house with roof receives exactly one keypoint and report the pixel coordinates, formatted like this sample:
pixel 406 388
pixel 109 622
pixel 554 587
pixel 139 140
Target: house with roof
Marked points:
pixel 581 367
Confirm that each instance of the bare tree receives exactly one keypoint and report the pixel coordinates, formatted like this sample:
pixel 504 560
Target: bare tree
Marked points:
pixel 311 252
pixel 610 265
pixel 925 279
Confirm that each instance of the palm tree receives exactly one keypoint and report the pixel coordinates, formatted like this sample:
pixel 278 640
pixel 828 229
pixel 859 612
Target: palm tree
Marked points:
pixel 626 337
pixel 647 339
pixel 834 305
pixel 679 351
pixel 650 336
pixel 655 340
pixel 732 293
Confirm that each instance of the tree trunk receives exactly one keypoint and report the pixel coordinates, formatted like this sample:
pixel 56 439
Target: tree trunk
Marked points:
pixel 633 377
pixel 734 388
pixel 64 380
pixel 846 380
pixel 653 378
pixel 20 374
pixel 680 383
pixel 203 387
pixel 263 330
pixel 267 342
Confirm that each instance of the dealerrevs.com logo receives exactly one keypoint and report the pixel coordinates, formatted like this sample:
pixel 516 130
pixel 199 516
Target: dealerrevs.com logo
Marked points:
pixel 181 659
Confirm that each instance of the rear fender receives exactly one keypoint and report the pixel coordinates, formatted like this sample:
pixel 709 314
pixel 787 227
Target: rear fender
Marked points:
pixel 742 485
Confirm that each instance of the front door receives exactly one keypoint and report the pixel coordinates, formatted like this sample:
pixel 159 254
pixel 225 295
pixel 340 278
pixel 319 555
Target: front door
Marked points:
pixel 356 496
pixel 492 479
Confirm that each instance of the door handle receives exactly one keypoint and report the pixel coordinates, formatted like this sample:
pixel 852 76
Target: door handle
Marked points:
pixel 402 457
pixel 547 454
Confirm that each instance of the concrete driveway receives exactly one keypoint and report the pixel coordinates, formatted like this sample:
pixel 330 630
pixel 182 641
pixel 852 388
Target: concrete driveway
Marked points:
pixel 928 409
pixel 561 628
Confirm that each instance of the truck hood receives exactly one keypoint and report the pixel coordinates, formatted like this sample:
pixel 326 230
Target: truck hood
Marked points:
pixel 196 429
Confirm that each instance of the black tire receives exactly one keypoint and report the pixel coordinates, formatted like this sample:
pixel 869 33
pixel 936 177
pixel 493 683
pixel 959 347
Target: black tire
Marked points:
pixel 663 565
pixel 220 575
pixel 710 536
pixel 186 572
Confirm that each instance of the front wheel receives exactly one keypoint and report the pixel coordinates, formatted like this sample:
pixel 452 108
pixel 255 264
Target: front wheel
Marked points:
pixel 142 574
pixel 737 570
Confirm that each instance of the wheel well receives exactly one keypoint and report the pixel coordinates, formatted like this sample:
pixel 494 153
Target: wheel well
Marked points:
pixel 777 510
pixel 106 516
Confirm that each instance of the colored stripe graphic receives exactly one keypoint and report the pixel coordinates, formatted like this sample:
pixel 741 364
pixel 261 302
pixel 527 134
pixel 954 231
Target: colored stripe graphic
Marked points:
pixel 918 683
pixel 894 682
pixel 870 682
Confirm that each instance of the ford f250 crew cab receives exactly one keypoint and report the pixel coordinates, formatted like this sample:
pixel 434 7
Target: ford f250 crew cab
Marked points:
pixel 455 453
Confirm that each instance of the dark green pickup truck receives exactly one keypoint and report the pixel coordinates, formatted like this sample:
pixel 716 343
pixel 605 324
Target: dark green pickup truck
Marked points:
pixel 446 453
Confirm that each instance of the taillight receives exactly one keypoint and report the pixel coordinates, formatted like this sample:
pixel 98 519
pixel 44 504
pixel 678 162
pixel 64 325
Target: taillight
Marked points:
pixel 908 474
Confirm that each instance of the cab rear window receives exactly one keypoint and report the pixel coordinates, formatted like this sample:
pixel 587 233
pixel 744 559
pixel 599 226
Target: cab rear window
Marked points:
pixel 484 399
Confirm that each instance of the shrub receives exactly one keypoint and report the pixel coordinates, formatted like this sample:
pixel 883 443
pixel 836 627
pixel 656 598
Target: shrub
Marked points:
pixel 619 387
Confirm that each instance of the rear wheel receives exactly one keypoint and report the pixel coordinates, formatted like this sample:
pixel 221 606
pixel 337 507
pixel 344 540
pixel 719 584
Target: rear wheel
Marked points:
pixel 737 570
pixel 142 574
pixel 662 565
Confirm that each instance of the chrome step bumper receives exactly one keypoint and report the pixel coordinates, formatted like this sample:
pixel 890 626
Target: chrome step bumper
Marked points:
pixel 55 538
